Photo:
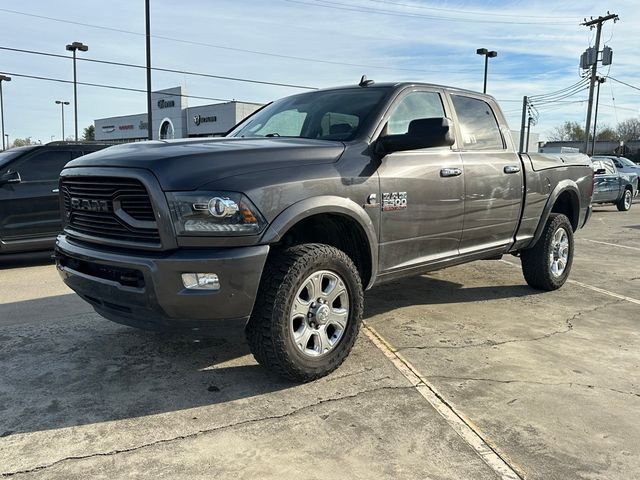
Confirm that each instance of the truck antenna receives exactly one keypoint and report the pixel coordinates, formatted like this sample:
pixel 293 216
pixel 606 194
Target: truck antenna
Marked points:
pixel 364 82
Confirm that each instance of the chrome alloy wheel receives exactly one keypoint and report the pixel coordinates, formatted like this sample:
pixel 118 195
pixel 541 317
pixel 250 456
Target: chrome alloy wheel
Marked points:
pixel 559 255
pixel 319 313
pixel 628 196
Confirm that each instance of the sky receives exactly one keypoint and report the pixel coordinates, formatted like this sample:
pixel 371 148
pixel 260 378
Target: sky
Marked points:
pixel 315 43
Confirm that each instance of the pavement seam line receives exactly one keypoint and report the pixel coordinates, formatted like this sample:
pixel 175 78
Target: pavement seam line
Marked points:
pixel 568 322
pixel 532 382
pixel 591 287
pixel 611 244
pixel 463 426
pixel 203 432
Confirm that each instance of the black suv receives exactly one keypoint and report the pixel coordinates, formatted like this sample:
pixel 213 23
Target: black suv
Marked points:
pixel 29 201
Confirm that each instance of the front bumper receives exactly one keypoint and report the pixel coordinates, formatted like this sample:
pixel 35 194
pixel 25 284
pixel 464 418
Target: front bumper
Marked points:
pixel 145 289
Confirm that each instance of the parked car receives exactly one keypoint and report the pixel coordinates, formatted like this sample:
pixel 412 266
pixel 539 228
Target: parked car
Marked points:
pixel 612 185
pixel 30 215
pixel 623 165
pixel 285 222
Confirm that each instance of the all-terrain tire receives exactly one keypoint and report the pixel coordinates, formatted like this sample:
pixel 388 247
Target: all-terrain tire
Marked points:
pixel 269 331
pixel 538 262
pixel 624 204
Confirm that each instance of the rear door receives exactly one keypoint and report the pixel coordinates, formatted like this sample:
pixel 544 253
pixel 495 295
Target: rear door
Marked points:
pixel 492 176
pixel 31 208
pixel 421 190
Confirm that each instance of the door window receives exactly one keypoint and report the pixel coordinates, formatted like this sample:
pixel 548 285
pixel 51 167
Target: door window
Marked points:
pixel 608 166
pixel 478 124
pixel 43 166
pixel 413 106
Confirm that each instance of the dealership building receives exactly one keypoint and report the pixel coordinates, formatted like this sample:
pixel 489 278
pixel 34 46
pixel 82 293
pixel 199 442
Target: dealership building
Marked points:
pixel 172 118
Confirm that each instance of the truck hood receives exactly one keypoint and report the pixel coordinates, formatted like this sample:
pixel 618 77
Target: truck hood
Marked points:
pixel 188 164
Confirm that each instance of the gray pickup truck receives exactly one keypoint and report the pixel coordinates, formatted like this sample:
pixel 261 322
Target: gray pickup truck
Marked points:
pixel 315 198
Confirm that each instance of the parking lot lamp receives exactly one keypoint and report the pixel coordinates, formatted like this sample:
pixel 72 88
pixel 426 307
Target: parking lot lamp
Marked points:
pixel 487 55
pixel 62 104
pixel 3 78
pixel 73 47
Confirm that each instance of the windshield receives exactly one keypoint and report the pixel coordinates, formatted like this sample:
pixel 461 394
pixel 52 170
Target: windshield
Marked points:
pixel 626 162
pixel 326 115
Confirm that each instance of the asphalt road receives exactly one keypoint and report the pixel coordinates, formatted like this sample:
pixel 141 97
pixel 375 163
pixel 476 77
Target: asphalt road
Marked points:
pixel 466 373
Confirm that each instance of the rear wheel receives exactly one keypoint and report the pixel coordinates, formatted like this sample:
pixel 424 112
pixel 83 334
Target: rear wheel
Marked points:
pixel 624 203
pixel 546 266
pixel 307 313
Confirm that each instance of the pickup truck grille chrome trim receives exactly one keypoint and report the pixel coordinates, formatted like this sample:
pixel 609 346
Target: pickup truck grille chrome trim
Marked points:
pixel 115 208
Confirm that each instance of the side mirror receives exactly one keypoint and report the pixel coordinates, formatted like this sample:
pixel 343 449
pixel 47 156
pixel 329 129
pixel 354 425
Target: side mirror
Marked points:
pixel 423 133
pixel 600 171
pixel 10 177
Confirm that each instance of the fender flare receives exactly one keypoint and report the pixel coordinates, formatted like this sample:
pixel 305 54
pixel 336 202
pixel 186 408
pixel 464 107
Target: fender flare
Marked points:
pixel 562 187
pixel 325 204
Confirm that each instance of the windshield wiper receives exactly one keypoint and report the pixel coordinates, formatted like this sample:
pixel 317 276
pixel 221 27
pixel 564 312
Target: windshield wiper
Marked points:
pixel 272 135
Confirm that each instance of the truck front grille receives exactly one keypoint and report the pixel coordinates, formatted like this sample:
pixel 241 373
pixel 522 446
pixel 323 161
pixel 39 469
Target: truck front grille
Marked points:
pixel 109 208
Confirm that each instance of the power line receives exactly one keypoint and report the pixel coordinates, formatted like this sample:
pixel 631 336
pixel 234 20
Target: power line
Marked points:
pixel 211 45
pixel 584 81
pixel 467 12
pixel 355 8
pixel 624 83
pixel 159 69
pixel 116 87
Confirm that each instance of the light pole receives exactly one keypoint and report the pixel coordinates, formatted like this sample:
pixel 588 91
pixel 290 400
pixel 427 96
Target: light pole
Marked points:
pixel 73 48
pixel 5 79
pixel 147 21
pixel 487 55
pixel 600 81
pixel 62 104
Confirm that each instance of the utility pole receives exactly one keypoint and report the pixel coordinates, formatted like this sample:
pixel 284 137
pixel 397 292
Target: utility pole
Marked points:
pixel 525 104
pixel 597 24
pixel 3 78
pixel 526 148
pixel 600 80
pixel 148 35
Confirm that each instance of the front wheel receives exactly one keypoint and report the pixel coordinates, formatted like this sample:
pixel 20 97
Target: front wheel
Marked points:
pixel 546 266
pixel 307 313
pixel 624 204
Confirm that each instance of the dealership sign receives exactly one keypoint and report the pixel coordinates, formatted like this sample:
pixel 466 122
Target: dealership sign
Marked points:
pixel 166 103
pixel 198 119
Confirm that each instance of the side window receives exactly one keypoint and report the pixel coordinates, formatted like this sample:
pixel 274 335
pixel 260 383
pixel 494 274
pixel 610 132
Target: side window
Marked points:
pixel 43 166
pixel 617 163
pixel 412 107
pixel 608 166
pixel 478 124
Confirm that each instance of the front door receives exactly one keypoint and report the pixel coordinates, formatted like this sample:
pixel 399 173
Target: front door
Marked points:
pixel 607 184
pixel 421 191
pixel 31 208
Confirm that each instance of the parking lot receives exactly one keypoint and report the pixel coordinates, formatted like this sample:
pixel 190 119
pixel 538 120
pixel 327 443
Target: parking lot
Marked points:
pixel 466 373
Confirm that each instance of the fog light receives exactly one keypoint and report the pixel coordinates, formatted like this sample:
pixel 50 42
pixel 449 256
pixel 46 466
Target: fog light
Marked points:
pixel 201 281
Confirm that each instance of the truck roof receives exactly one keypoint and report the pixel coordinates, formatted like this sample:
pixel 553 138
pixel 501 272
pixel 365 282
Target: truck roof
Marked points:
pixel 399 85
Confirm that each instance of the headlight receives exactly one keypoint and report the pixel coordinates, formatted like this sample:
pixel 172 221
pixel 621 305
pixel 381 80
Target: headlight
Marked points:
pixel 214 213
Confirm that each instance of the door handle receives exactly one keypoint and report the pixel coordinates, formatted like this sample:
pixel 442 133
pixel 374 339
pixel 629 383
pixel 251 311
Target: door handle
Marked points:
pixel 55 190
pixel 450 172
pixel 511 169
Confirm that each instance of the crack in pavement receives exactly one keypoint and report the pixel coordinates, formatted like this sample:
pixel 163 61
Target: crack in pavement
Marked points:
pixel 533 382
pixel 205 431
pixel 491 343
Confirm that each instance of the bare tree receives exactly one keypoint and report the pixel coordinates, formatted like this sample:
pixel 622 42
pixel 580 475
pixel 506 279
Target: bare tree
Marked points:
pixel 629 129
